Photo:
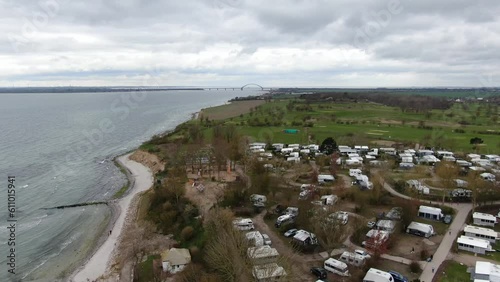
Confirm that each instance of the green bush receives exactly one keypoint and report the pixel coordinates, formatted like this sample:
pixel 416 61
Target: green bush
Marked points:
pixel 415 267
pixel 187 233
pixel 424 254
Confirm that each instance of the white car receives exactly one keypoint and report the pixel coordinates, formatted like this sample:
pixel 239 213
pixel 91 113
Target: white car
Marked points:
pixel 267 240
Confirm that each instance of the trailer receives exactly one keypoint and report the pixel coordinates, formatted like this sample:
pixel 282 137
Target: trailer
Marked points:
pixel 420 229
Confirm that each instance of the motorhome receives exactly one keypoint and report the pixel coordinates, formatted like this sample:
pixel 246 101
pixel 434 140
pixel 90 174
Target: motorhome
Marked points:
pixel 430 212
pixel 340 216
pixel 352 258
pixel 294 211
pixel 352 162
pixel 325 178
pixel 488 176
pixel 305 238
pixel 353 172
pixel 420 229
pixel 329 199
pixel 243 224
pixel 284 219
pixel 336 267
pixel 376 275
pixel 255 238
pixel 262 254
pixel 256 198
pixel 268 272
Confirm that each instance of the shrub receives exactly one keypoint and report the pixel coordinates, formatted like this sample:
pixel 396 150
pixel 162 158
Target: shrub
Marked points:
pixel 187 233
pixel 196 254
pixel 424 254
pixel 415 267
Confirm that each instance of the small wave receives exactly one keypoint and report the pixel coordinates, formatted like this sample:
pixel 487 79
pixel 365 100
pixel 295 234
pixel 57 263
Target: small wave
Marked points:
pixel 25 186
pixel 37 266
pixel 27 226
pixel 64 245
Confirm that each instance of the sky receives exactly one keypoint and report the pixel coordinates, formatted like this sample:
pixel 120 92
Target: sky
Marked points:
pixel 293 43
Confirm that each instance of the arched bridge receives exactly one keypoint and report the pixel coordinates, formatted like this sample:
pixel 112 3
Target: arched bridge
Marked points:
pixel 241 88
pixel 252 84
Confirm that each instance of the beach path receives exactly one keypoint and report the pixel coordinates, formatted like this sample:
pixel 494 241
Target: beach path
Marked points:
pixel 98 263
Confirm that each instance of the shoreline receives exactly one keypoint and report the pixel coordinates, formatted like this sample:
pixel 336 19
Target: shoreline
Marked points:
pixel 96 265
pixel 116 211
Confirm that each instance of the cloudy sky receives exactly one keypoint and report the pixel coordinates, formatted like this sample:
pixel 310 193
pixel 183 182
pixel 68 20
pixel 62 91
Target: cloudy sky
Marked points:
pixel 334 43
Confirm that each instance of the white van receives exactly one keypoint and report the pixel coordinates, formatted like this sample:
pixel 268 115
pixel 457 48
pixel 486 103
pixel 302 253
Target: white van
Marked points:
pixel 336 267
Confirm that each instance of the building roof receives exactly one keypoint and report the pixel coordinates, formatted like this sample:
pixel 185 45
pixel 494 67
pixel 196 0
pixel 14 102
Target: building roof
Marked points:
pixel 261 252
pixel 476 242
pixel 481 215
pixel 176 256
pixel 480 230
pixel 487 269
pixel 269 270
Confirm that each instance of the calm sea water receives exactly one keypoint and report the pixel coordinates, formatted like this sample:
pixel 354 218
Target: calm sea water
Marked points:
pixel 59 147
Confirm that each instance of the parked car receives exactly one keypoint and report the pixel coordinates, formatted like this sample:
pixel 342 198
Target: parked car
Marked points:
pixel 397 276
pixel 363 254
pixel 371 224
pixel 267 240
pixel 290 233
pixel 447 219
pixel 319 272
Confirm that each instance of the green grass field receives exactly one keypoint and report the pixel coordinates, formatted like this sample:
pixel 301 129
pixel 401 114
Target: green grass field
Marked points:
pixel 454 272
pixel 361 123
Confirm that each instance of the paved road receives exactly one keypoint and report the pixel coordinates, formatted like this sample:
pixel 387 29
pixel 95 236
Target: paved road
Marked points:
pixel 448 240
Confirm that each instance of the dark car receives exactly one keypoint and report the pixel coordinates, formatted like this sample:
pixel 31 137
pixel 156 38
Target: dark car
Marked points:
pixel 398 277
pixel 447 219
pixel 319 272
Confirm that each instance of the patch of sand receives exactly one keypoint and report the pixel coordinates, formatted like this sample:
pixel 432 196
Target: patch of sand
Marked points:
pixel 97 265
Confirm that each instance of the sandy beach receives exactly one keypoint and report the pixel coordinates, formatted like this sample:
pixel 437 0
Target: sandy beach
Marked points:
pixel 97 265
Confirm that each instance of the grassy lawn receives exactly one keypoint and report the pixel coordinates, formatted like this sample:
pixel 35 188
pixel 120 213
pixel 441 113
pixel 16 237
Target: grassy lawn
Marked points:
pixel 233 109
pixel 368 121
pixel 454 272
pixel 146 269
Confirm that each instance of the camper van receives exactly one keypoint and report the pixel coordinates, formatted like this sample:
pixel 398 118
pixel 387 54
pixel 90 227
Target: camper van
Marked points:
pixel 353 172
pixel 488 176
pixel 336 267
pixel 340 216
pixel 352 258
pixel 243 224
pixel 376 275
pixel 258 200
pixel 325 178
pixel 284 219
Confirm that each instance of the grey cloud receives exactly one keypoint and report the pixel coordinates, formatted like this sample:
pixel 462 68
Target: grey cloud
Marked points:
pixel 449 38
